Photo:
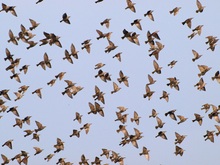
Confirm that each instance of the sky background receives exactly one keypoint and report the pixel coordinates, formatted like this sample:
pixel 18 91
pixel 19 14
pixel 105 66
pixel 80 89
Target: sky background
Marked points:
pixel 57 111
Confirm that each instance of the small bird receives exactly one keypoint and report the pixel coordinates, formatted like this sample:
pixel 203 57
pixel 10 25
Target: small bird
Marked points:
pixel 137 23
pixel 182 119
pixel 199 6
pixel 87 47
pixel 110 47
pixel 47 60
pixel 121 118
pixel 123 78
pixel 135 118
pixel 209 135
pixel 203 69
pixel 216 77
pixel 174 82
pixel 122 128
pixel 172 63
pixel 27 120
pixel 99 95
pixel 105 152
pixel 115 87
pixel 38 150
pixel 151 80
pixel 40 127
pixel 150 14
pixel 206 107
pixel 171 114
pixel 159 123
pixel 165 96
pixel 5 159
pixel 196 55
pixel 157 68
pixel 48 157
pixel 153 113
pixel 16 77
pixel 118 56
pixel 65 18
pixel 200 85
pixel 60 75
pixel 98 1
pixel 218 128
pixel 34 24
pixel 86 127
pixel 38 92
pixel 39 1
pixel 198 118
pixel 31 44
pixel 99 65
pixel 179 151
pixel 198 29
pixel 78 117
pixel 188 22
pixel 122 109
pixel 179 138
pixel 18 123
pixel 106 22
pixel 145 152
pixel 130 5
pixel 36 137
pixel 10 9
pixel 162 135
pixel 28 132
pixel 12 38
pixel 4 93
pixel 148 93
pixel 75 133
pixel 23 89
pixel 14 110
pixel 51 82
pixel 8 143
pixel 175 11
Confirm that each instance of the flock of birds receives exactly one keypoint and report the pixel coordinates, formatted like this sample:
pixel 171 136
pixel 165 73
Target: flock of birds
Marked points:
pixel 26 35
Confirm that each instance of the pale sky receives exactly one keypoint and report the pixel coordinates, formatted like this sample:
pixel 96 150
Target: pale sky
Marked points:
pixel 57 111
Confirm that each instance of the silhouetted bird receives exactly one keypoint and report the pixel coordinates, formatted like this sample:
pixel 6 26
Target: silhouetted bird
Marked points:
pixel 65 18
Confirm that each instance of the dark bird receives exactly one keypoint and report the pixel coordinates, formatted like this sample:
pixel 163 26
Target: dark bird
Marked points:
pixel 65 18
pixel 200 8
pixel 12 38
pixel 123 78
pixel 38 92
pixel 159 123
pixel 216 77
pixel 110 47
pixel 8 143
pixel 137 23
pixel 136 118
pixel 78 117
pixel 162 135
pixel 34 24
pixel 165 96
pixel 209 136
pixel 179 138
pixel 153 113
pixel 10 9
pixel 118 56
pixel 198 118
pixel 171 114
pixel 106 22
pixel 150 14
pixel 200 85
pixel 18 123
pixel 196 55
pixel 179 151
pixel 148 93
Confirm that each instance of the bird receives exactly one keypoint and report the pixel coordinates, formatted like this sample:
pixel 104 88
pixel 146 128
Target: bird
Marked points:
pixel 48 157
pixel 121 118
pixel 105 152
pixel 36 137
pixel 12 38
pixel 14 110
pixel 150 14
pixel 200 85
pixel 65 18
pixel 118 56
pixel 145 152
pixel 31 44
pixel 153 113
pixel 151 80
pixel 5 159
pixel 179 151
pixel 99 65
pixel 181 118
pixel 171 114
pixel 122 109
pixel 137 23
pixel 165 95
pixel 198 29
pixel 209 136
pixel 86 127
pixel 148 93
pixel 18 123
pixel 175 11
pixel 51 82
pixel 174 82
pixel 34 24
pixel 47 61
pixel 157 68
pixel 179 138
pixel 200 8
pixel 38 92
pixel 172 63
pixel 196 55
pixel 28 132
pixel 75 133
pixel 78 117
pixel 130 5
pixel 162 135
pixel 10 9
pixel 216 77
pixel 122 128
pixel 116 88
pixel 106 22
pixel 218 128
pixel 206 107
pixel 188 22
pixel 110 47
pixel 59 145
pixel 40 127
pixel 16 77
pixel 8 143
pixel 203 69
pixel 27 120
pixel 39 1
pixel 159 123
pixel 99 95
pixel 135 118
pixel 123 78
pixel 198 118
pixel 98 1
pixel 60 75
pixel 37 150
pixel 24 68
pixel 87 47
pixel 4 93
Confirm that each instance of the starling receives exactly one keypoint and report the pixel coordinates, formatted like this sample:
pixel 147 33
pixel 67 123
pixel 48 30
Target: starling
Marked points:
pixel 209 135
pixel 179 151
pixel 38 92
pixel 153 113
pixel 145 152
pixel 201 85
pixel 78 117
pixel 110 47
pixel 203 69
pixel 182 119
pixel 165 95
pixel 149 14
pixel 216 77
pixel 34 24
pixel 8 143
pixel 48 157
pixel 5 159
pixel 137 23
pixel 12 38
pixel 151 80
pixel 199 6
pixel 188 22
pixel 10 9
pixel 135 118
pixel 75 133
pixel 116 88
pixel 198 118
pixel 118 56
pixel 106 22
pixel 175 11
pixel 65 18
pixel 162 135
pixel 172 63
pixel 148 93
pixel 123 78
pixel 18 123
pixel 171 114
pixel 38 150
pixel 40 127
pixel 179 138
pixel 196 55
pixel 159 123
pixel 157 68
pixel 130 5
pixel 86 127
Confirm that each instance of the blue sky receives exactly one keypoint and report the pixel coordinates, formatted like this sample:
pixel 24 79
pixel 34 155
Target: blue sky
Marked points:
pixel 57 111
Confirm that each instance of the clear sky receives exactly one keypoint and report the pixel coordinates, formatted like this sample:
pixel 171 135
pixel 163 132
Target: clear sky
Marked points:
pixel 57 111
